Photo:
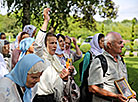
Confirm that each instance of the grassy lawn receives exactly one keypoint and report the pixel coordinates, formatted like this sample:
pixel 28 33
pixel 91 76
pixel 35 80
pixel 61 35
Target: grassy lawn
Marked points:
pixel 132 68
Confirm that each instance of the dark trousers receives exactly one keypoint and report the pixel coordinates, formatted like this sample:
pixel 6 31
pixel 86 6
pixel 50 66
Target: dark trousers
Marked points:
pixel 44 98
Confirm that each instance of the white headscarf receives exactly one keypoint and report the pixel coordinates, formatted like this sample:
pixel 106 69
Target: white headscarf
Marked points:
pixel 29 29
pixel 54 60
pixel 58 50
pixel 95 48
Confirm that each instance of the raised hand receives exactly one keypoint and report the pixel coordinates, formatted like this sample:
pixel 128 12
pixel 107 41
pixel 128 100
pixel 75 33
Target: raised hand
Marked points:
pixel 46 15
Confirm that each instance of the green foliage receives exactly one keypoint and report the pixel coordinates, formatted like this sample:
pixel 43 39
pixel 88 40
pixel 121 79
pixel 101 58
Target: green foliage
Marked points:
pixel 136 31
pixel 131 54
pixel 84 48
pixel 136 45
pixel 123 51
pixel 82 11
pixel 8 24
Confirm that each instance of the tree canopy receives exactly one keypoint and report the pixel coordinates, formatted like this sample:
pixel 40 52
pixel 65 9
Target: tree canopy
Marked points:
pixel 83 11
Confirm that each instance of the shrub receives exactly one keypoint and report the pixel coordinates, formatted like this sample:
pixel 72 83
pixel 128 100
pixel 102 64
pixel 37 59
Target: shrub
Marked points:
pixel 131 54
pixel 123 51
pixel 84 48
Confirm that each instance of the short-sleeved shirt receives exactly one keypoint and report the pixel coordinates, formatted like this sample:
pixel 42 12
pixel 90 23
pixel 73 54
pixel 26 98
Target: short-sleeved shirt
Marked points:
pixel 115 71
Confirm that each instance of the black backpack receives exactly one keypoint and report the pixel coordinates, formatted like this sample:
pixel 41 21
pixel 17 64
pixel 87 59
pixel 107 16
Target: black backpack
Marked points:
pixel 85 95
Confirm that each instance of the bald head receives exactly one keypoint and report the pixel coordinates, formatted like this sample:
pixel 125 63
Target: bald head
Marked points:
pixel 113 43
pixel 111 37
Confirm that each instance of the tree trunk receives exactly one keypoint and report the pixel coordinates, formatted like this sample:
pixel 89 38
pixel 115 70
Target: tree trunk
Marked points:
pixel 26 13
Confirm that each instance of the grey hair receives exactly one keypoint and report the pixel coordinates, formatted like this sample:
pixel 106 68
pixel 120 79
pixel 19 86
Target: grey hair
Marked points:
pixel 38 67
pixel 110 37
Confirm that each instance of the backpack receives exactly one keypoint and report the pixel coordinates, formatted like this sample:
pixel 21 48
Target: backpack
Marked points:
pixel 85 95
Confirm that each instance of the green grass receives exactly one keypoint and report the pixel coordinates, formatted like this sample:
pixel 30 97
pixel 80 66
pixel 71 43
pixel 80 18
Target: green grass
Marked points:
pixel 132 68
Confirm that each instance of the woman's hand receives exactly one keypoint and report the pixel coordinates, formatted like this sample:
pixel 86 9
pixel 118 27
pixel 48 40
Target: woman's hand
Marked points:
pixel 46 15
pixel 74 41
pixel 71 69
pixel 64 74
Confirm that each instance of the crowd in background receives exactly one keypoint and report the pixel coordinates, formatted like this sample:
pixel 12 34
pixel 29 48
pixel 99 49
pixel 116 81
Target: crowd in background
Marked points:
pixel 40 69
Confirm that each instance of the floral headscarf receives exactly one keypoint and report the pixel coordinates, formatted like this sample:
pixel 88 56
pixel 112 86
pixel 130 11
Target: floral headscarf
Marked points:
pixel 29 29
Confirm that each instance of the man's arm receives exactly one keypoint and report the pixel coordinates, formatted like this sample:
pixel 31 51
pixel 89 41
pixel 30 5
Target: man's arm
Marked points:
pixel 102 92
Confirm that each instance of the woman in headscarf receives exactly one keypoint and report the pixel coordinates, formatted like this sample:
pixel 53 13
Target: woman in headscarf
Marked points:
pixel 16 52
pixel 16 86
pixel 50 88
pixel 26 46
pixel 73 55
pixel 60 49
pixel 30 29
pixel 97 45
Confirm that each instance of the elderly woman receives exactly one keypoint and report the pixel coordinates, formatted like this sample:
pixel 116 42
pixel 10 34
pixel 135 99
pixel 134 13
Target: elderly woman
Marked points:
pixel 16 86
pixel 51 85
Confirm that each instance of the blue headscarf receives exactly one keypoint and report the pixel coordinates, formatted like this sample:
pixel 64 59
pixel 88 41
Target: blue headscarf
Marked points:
pixel 24 46
pixel 19 73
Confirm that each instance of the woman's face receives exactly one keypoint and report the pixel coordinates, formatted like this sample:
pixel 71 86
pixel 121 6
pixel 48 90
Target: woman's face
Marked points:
pixel 32 79
pixel 61 43
pixel 31 48
pixel 101 42
pixel 6 49
pixel 24 36
pixel 51 45
pixel 67 43
pixel 3 36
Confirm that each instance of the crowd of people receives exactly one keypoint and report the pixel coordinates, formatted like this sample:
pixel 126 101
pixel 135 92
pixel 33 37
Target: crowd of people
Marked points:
pixel 40 69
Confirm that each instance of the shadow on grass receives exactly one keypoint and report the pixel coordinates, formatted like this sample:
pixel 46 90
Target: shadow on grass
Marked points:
pixel 132 68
